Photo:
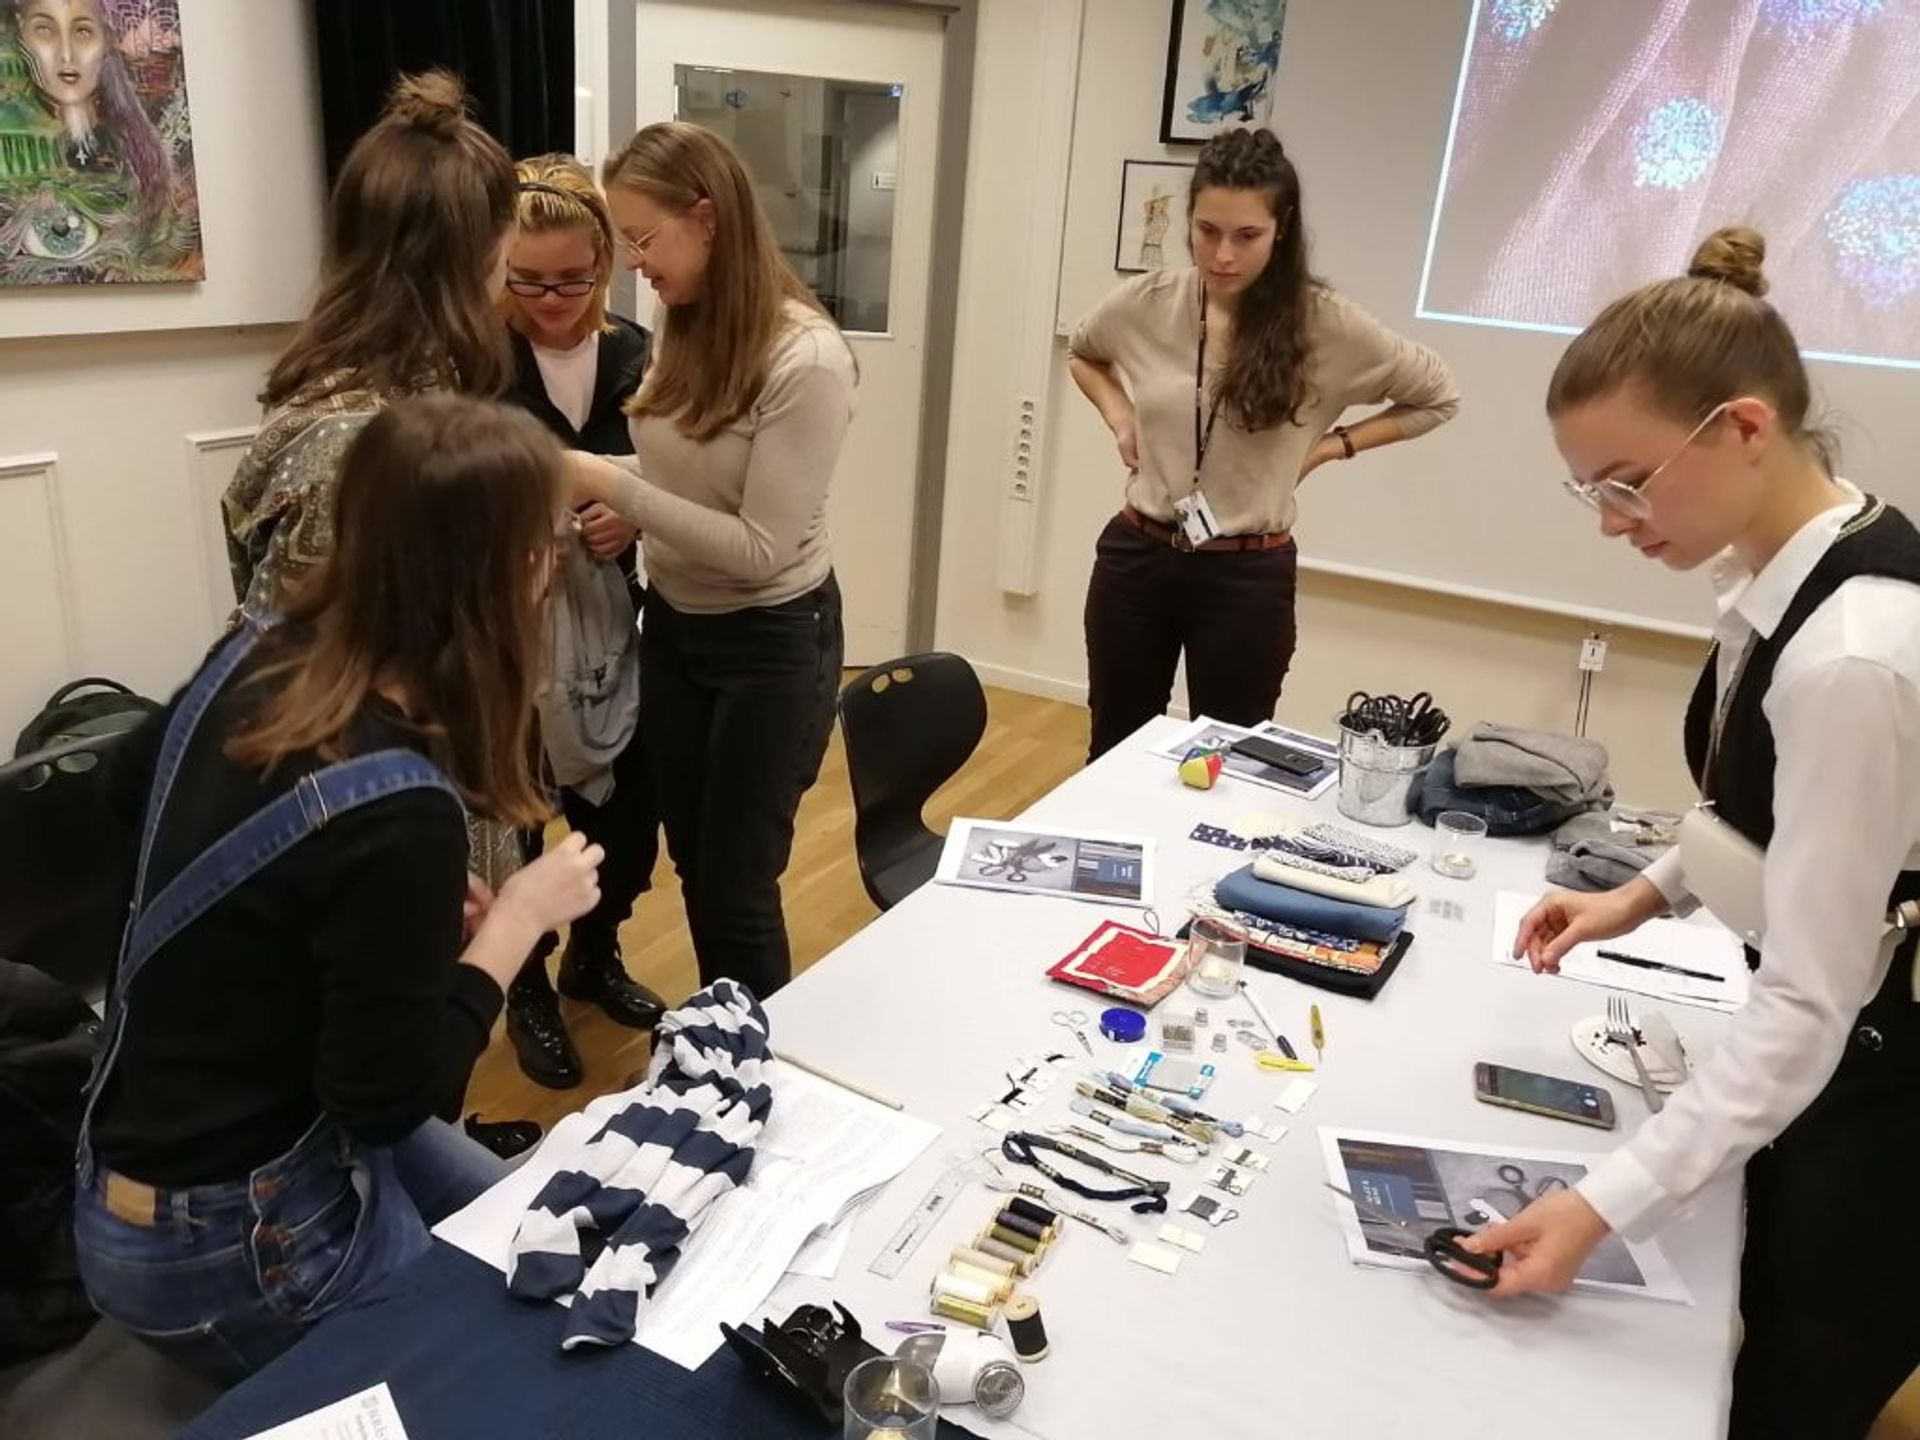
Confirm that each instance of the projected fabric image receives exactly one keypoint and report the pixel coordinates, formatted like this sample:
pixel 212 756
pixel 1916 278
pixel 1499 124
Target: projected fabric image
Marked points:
pixel 96 148
pixel 1594 145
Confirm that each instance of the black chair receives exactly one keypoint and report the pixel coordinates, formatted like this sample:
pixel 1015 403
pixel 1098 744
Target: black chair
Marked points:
pixel 909 725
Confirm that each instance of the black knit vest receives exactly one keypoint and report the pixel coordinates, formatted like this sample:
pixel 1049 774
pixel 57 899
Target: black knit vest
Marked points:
pixel 1876 540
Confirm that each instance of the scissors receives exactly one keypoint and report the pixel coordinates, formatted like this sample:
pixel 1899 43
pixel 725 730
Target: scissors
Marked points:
pixel 1075 1020
pixel 1014 861
pixel 1515 1180
pixel 1440 1244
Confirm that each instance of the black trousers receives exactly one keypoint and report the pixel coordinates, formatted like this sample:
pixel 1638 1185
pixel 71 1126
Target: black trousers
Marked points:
pixel 735 713
pixel 1830 1272
pixel 1230 610
pixel 627 827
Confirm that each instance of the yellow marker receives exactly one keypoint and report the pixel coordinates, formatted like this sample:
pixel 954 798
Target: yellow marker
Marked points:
pixel 1274 1060
pixel 1319 1033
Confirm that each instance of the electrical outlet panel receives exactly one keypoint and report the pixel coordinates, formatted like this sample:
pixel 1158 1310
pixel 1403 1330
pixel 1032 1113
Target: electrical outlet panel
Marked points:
pixel 1025 462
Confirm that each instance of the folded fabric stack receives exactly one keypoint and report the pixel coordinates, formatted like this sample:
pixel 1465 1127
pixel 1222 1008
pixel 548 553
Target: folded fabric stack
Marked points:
pixel 1339 927
pixel 1601 851
pixel 1521 782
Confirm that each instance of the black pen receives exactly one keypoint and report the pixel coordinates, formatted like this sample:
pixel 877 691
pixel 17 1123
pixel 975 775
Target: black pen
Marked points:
pixel 1619 958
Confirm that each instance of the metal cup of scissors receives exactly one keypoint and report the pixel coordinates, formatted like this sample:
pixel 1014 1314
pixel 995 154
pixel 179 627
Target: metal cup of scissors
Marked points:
pixel 1076 1021
pixel 1439 1244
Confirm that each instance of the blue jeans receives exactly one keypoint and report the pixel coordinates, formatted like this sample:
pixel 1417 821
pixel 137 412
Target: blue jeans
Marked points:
pixel 230 1275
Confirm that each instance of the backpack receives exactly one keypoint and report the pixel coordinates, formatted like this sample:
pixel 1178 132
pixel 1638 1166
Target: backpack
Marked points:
pixel 86 708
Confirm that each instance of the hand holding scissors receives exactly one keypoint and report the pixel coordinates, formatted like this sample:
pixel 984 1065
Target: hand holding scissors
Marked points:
pixel 1440 1244
pixel 1075 1020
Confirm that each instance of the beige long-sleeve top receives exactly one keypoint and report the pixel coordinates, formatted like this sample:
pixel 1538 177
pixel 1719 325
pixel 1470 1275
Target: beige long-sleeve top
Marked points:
pixel 1148 329
pixel 741 520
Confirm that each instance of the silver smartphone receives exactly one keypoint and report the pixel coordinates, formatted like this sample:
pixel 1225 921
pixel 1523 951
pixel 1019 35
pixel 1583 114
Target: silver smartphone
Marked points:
pixel 1543 1095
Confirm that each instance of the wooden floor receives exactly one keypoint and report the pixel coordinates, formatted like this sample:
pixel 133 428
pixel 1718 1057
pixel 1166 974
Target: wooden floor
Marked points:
pixel 1031 745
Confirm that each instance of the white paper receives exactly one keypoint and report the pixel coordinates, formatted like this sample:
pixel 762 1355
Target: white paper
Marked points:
pixel 1244 767
pixel 1446 1181
pixel 1155 1257
pixel 367 1416
pixel 820 1257
pixel 1706 947
pixel 1053 860
pixel 823 1150
pixel 1293 1099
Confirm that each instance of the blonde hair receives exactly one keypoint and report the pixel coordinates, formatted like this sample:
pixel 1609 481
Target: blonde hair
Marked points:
pixel 557 193
pixel 1695 341
pixel 714 353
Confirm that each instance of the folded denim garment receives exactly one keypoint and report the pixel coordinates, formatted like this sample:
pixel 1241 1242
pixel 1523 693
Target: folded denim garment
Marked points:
pixel 1244 890
pixel 1507 809
pixel 1387 892
pixel 1554 766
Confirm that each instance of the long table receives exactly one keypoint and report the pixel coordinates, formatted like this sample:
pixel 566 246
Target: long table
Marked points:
pixel 1271 1329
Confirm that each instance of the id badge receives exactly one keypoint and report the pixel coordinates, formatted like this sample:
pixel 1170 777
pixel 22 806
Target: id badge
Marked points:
pixel 1195 519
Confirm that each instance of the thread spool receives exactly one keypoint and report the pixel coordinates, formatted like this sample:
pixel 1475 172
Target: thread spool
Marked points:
pixel 1020 1205
pixel 965 1312
pixel 980 1260
pixel 1025 1243
pixel 1021 1260
pixel 1000 1285
pixel 947 1285
pixel 1021 1225
pixel 1026 1328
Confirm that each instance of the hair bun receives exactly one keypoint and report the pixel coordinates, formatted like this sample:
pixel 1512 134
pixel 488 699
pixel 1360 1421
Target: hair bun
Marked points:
pixel 434 101
pixel 1733 255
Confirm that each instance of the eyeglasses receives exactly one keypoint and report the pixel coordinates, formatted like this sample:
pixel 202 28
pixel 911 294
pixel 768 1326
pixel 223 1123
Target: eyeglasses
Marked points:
pixel 1628 497
pixel 534 289
pixel 637 249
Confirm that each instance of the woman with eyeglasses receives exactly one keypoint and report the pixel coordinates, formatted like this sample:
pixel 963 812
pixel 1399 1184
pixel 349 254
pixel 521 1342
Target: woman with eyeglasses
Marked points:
pixel 576 366
pixel 737 430
pixel 1682 412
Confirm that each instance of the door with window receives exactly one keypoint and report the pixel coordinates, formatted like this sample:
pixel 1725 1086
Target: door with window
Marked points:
pixel 835 108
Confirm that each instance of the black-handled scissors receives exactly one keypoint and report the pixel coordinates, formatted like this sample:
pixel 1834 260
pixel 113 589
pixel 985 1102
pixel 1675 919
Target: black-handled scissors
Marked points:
pixel 1439 1243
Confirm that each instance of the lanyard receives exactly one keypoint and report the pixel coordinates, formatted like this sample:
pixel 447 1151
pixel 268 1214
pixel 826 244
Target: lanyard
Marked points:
pixel 1202 430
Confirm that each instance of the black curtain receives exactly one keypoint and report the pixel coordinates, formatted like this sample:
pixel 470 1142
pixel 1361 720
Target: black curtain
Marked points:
pixel 516 57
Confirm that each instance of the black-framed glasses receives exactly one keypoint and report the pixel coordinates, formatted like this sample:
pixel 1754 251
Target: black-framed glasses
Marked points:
pixel 534 289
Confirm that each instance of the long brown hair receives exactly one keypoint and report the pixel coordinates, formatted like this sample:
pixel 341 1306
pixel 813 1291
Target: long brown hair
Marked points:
pixel 1696 340
pixel 422 203
pixel 557 193
pixel 444 529
pixel 1264 382
pixel 714 353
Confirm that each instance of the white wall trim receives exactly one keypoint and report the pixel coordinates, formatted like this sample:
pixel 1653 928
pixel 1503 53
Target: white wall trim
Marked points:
pixel 201 445
pixel 1025 682
pixel 44 465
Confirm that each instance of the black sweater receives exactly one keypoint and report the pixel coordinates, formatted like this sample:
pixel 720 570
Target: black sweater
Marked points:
pixel 326 983
pixel 624 352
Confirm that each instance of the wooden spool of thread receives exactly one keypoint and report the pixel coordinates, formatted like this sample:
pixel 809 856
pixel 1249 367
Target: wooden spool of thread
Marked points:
pixel 952 1307
pixel 980 1260
pixel 984 1290
pixel 1000 1285
pixel 1021 1205
pixel 1026 1244
pixel 1022 1261
pixel 1021 1225
pixel 1024 1325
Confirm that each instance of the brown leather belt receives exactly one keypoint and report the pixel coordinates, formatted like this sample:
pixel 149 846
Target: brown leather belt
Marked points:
pixel 1176 537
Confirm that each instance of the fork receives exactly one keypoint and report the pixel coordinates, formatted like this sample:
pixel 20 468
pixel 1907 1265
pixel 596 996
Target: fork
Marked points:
pixel 1620 1031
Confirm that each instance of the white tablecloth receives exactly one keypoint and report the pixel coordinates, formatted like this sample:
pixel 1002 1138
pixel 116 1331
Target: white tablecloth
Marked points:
pixel 1271 1331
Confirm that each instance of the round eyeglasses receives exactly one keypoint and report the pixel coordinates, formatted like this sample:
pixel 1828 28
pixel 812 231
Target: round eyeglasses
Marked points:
pixel 1628 497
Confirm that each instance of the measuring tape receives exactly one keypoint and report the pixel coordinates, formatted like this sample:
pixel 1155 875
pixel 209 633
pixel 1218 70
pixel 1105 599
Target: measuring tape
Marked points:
pixel 899 1249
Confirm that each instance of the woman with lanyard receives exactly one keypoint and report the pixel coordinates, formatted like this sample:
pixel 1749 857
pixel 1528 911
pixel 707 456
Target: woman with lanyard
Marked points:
pixel 737 428
pixel 1682 412
pixel 1236 372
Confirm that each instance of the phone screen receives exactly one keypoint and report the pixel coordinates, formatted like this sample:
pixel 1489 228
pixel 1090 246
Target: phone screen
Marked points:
pixel 1569 1097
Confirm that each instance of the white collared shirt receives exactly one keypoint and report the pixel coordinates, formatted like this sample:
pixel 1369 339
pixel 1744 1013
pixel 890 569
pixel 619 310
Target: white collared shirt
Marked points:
pixel 1844 706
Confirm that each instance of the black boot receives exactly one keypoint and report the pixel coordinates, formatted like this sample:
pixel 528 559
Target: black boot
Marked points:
pixel 592 970
pixel 505 1138
pixel 539 1036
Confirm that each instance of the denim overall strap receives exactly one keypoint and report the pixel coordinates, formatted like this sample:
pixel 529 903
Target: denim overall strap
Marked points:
pixel 238 855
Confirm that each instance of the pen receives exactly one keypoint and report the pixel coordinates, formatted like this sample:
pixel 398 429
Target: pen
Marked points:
pixel 1260 1011
pixel 1319 1034
pixel 1620 959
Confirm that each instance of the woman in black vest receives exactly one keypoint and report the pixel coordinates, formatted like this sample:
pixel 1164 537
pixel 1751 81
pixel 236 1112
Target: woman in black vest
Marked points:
pixel 1682 413
pixel 575 367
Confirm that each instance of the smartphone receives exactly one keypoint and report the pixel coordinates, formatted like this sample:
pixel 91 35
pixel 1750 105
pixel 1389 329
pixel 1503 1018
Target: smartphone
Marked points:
pixel 1543 1095
pixel 1281 757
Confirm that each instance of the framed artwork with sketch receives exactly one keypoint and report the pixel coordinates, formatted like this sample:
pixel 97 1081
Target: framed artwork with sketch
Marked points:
pixel 1152 232
pixel 1221 58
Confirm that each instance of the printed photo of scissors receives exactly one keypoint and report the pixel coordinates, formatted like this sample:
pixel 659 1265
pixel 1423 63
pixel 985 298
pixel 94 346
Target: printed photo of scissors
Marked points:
pixel 1440 1244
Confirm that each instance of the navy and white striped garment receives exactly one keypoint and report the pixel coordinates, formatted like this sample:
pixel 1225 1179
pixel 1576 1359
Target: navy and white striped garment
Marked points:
pixel 651 1171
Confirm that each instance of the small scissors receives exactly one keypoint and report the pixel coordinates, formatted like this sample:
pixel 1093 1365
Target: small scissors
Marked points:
pixel 1440 1244
pixel 1075 1020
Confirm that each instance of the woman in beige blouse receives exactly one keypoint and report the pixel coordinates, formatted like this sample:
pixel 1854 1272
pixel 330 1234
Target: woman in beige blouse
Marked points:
pixel 1223 384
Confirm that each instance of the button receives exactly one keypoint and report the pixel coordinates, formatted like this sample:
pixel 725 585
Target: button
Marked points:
pixel 1871 1038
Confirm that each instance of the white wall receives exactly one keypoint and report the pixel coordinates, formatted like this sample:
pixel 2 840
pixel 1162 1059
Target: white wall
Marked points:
pixel 1483 660
pixel 122 413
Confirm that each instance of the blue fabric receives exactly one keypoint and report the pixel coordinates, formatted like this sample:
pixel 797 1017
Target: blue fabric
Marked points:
pixel 1507 809
pixel 465 1359
pixel 1243 890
